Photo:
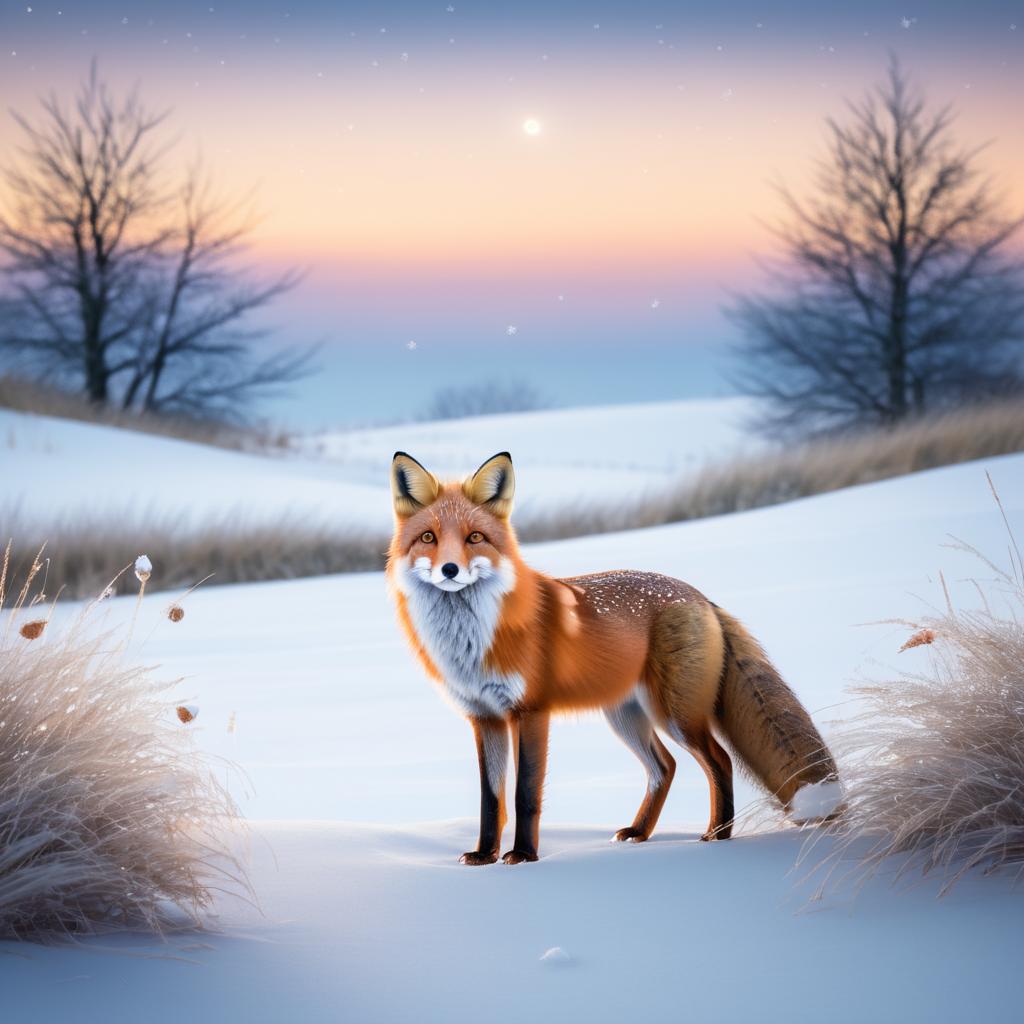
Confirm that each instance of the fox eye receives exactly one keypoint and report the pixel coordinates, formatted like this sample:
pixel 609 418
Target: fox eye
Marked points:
pixel 475 537
pixel 428 537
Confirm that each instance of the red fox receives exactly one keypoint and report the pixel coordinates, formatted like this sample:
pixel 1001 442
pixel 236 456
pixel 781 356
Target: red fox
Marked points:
pixel 511 646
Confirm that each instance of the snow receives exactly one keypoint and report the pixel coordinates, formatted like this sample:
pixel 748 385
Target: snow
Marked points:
pixel 360 784
pixel 64 470
pixel 559 454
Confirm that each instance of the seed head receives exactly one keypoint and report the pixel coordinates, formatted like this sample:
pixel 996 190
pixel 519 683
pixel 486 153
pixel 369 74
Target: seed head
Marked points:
pixel 33 630
pixel 176 613
pixel 143 568
pixel 187 713
pixel 922 636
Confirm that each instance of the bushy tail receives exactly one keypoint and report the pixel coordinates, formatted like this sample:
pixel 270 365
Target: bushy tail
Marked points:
pixel 770 729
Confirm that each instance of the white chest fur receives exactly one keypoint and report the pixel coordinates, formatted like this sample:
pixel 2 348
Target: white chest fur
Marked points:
pixel 457 630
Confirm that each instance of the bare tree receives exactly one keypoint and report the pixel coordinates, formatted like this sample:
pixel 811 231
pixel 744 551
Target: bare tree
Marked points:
pixel 489 396
pixel 119 283
pixel 897 293
pixel 193 351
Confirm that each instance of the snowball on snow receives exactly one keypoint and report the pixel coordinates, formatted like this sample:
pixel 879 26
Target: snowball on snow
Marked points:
pixel 818 800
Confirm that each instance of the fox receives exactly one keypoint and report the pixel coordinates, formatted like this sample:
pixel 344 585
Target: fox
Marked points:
pixel 510 647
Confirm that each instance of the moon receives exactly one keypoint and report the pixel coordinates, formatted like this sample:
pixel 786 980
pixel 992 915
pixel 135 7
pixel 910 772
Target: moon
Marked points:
pixel 531 126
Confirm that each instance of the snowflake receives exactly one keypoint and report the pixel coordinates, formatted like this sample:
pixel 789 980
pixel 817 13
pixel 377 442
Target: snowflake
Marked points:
pixel 907 22
pixel 511 329
pixel 655 303
pixel 404 56
pixel 411 346
pixel 450 9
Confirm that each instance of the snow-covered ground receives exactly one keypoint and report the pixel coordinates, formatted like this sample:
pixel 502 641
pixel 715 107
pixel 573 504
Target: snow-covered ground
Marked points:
pixel 55 469
pixel 335 725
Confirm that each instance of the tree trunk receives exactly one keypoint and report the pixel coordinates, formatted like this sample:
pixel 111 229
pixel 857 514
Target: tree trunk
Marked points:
pixel 97 373
pixel 155 373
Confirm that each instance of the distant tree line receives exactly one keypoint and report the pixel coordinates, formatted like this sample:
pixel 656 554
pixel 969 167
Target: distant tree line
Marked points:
pixel 483 398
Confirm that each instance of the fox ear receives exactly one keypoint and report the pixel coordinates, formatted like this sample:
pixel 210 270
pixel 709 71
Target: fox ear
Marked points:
pixel 412 487
pixel 493 485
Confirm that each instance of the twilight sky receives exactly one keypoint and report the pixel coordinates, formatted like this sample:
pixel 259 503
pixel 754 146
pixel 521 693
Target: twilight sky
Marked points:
pixel 387 148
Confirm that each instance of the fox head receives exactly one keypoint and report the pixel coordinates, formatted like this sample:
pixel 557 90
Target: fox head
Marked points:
pixel 452 535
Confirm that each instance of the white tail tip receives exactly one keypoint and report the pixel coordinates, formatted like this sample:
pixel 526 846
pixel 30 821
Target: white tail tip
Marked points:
pixel 816 801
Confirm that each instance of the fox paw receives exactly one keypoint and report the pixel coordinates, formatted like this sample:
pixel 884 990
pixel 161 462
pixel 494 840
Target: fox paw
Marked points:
pixel 715 836
pixel 630 835
pixel 519 857
pixel 476 858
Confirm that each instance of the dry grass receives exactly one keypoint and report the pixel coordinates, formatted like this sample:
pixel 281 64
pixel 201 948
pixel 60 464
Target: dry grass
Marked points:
pixel 108 818
pixel 934 765
pixel 22 395
pixel 814 468
pixel 79 552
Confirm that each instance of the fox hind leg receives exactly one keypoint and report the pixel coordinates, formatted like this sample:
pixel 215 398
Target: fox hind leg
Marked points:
pixel 685 663
pixel 717 765
pixel 630 722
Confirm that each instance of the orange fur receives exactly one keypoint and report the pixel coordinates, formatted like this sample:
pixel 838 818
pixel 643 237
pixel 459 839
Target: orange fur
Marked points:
pixel 597 641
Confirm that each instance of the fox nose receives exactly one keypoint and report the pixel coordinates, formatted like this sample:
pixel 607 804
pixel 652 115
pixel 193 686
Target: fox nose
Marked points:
pixel 449 570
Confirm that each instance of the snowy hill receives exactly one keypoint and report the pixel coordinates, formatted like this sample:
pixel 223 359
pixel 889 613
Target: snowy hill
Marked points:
pixel 57 469
pixel 376 922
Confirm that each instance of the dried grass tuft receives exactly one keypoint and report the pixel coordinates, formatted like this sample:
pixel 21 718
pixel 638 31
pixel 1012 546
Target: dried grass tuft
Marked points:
pixel 109 819
pixel 934 764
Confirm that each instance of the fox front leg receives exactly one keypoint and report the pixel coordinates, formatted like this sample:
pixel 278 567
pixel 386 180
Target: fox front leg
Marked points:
pixel 492 752
pixel 530 733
